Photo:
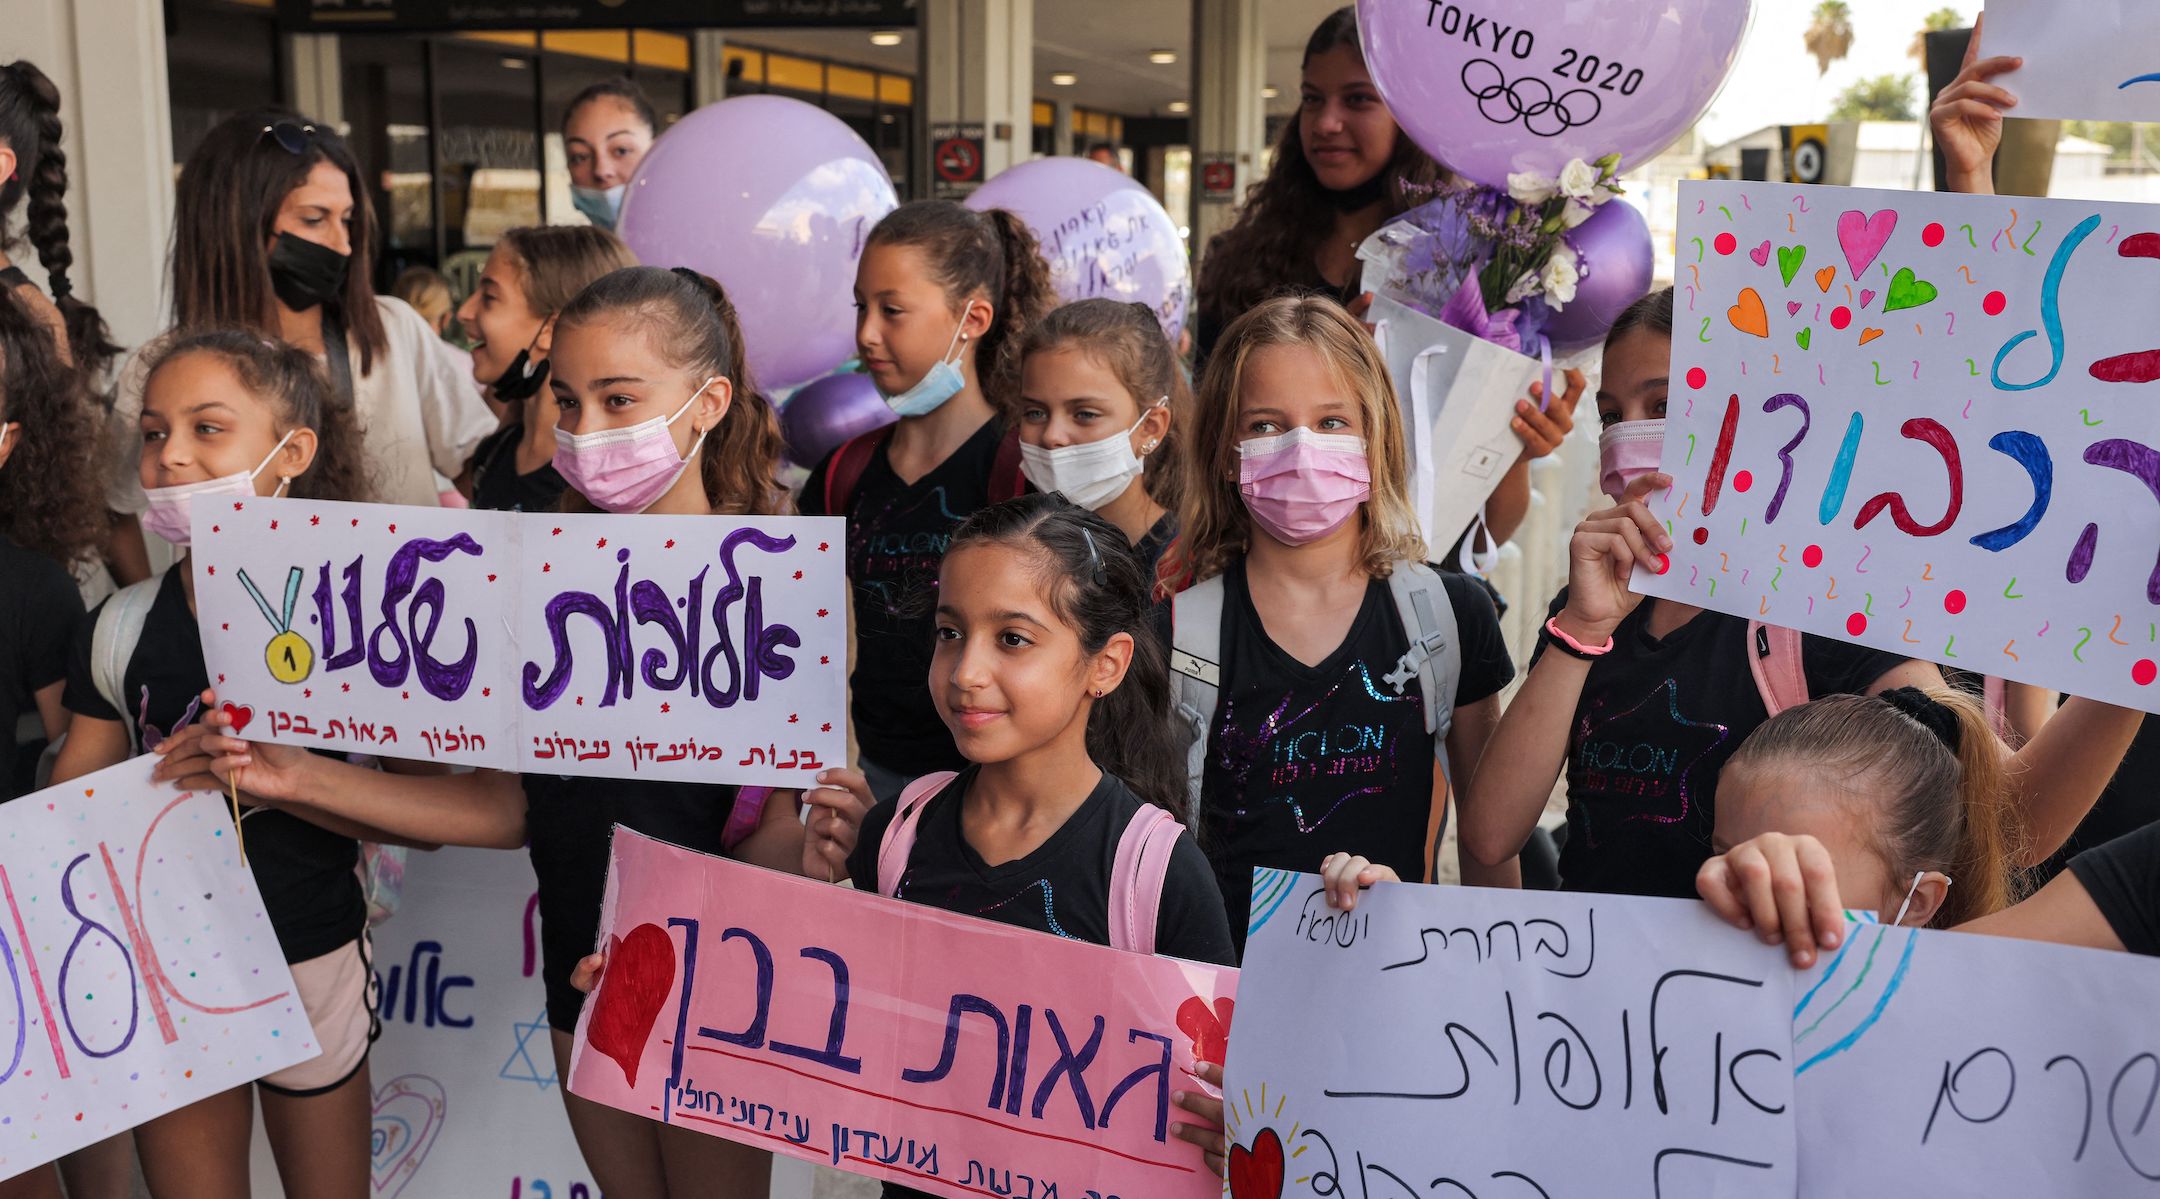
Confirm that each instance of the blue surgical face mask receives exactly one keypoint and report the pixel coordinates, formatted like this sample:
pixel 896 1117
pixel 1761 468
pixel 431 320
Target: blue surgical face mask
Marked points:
pixel 939 384
pixel 600 206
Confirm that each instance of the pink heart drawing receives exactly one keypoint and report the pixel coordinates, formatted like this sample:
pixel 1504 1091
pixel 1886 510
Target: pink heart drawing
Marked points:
pixel 1866 294
pixel 1792 308
pixel 1761 253
pixel 1862 236
pixel 408 1117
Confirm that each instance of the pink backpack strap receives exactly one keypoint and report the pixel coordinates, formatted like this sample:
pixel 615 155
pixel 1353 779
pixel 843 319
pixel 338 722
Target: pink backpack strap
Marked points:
pixel 1136 881
pixel 899 840
pixel 744 817
pixel 1774 659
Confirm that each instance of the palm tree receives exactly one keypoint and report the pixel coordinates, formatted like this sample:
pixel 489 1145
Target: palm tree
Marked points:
pixel 1936 22
pixel 1829 35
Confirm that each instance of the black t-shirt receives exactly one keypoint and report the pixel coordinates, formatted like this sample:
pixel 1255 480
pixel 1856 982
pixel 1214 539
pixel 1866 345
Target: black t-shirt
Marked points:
pixel 39 608
pixel 569 824
pixel 2130 802
pixel 304 871
pixel 896 538
pixel 2123 878
pixel 1656 722
pixel 1305 761
pixel 497 485
pixel 1063 888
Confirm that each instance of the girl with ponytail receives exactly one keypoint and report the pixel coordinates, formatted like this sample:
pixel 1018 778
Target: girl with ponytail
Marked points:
pixel 656 414
pixel 33 168
pixel 944 297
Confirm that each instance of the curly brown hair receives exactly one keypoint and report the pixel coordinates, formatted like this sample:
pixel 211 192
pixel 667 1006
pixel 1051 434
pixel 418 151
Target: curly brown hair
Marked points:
pixel 298 390
pixel 49 499
pixel 1288 213
pixel 691 319
pixel 993 253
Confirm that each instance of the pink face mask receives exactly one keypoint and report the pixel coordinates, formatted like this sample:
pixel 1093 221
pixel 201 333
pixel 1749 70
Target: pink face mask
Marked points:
pixel 1301 485
pixel 625 470
pixel 1626 452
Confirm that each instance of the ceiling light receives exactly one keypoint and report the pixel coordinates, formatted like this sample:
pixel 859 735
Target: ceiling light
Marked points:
pixel 1063 79
pixel 1162 58
pixel 1270 92
pixel 885 37
pixel 512 63
pixel 1180 107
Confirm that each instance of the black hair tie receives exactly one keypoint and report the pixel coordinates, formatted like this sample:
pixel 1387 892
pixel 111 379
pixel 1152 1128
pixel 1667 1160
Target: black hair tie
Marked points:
pixel 1934 716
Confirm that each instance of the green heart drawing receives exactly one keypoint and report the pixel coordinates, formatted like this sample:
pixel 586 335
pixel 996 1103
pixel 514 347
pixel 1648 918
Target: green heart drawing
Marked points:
pixel 1803 337
pixel 1907 291
pixel 1789 259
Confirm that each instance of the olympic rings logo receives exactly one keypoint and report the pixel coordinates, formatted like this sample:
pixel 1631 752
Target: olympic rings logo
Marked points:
pixel 1529 99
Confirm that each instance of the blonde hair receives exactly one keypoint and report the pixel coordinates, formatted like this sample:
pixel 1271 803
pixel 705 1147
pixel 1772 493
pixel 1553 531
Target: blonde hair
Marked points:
pixel 1924 806
pixel 424 288
pixel 1213 526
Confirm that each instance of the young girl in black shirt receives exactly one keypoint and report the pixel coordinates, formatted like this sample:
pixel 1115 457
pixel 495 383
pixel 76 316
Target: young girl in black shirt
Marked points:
pixel 531 274
pixel 943 295
pixel 1325 734
pixel 226 414
pixel 1641 702
pixel 640 346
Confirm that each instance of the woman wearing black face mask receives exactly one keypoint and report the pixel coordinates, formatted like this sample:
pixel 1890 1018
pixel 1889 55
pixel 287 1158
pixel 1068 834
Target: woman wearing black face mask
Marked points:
pixel 510 318
pixel 273 233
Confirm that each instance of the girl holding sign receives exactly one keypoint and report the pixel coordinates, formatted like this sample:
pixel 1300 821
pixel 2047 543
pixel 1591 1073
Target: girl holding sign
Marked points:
pixel 1099 385
pixel 657 415
pixel 227 414
pixel 1640 702
pixel 530 276
pixel 1334 683
pixel 943 296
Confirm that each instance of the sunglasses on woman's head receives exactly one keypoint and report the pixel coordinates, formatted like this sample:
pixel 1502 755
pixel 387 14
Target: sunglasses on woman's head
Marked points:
pixel 291 136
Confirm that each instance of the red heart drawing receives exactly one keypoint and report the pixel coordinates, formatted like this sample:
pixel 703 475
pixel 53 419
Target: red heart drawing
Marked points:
pixel 640 973
pixel 239 714
pixel 1257 1173
pixel 1208 1027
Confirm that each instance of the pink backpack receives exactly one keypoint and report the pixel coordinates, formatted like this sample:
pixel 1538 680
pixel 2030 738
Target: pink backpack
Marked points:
pixel 1136 881
pixel 1780 678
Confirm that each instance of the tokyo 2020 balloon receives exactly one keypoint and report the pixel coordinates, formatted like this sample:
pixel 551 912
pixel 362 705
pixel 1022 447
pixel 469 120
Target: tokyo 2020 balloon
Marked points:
pixel 1489 87
pixel 774 198
pixel 1102 234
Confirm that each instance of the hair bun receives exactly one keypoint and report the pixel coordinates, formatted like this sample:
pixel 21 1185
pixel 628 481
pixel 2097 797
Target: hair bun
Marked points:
pixel 1933 716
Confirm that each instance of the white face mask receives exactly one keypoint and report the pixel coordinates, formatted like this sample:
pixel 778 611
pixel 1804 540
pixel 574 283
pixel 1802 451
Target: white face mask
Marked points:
pixel 167 515
pixel 1091 473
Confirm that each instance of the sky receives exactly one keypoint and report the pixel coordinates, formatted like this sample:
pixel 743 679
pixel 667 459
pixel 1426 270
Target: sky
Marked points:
pixel 1775 81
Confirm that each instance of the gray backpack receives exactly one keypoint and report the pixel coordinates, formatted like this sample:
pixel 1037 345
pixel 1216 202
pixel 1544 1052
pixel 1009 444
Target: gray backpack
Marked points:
pixel 1434 660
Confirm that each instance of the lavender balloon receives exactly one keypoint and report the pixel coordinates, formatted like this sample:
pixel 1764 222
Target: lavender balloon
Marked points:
pixel 1103 234
pixel 1614 249
pixel 772 197
pixel 1491 89
pixel 836 409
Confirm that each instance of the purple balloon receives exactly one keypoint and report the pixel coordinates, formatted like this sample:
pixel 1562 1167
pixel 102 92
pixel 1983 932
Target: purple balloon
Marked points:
pixel 838 408
pixel 772 197
pixel 1613 247
pixel 1548 82
pixel 1103 234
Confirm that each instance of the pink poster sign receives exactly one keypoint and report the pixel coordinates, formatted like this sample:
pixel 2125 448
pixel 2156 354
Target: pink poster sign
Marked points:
pixel 939 1051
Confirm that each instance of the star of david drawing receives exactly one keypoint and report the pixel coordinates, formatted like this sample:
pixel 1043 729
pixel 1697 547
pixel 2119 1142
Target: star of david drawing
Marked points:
pixel 521 1067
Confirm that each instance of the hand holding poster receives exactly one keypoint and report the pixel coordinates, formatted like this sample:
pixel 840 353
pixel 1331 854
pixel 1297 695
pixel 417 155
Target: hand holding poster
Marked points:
pixel 141 971
pixel 2082 62
pixel 1954 1064
pixel 1921 422
pixel 1510 1043
pixel 892 1039
pixel 694 648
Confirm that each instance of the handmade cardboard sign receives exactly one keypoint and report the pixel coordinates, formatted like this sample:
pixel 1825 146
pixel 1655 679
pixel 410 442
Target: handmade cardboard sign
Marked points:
pixel 694 648
pixel 1970 1065
pixel 2088 62
pixel 892 1039
pixel 1506 1043
pixel 1924 423
pixel 140 971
